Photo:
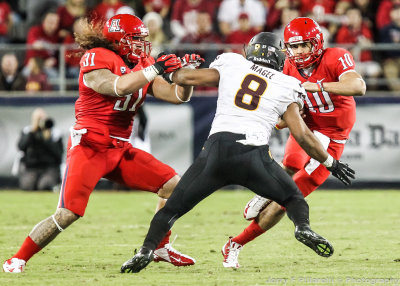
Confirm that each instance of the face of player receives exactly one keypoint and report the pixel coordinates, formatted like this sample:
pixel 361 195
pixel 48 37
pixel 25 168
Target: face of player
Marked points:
pixel 300 51
pixel 301 48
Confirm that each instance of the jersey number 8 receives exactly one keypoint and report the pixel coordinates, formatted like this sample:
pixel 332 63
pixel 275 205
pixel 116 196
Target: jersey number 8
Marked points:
pixel 248 97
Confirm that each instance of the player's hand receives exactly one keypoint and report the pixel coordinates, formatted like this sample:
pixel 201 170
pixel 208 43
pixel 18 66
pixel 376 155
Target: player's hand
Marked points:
pixel 167 63
pixel 310 86
pixel 342 171
pixel 192 61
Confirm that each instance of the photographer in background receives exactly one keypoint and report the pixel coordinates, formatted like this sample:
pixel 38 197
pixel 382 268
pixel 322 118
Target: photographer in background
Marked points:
pixel 42 149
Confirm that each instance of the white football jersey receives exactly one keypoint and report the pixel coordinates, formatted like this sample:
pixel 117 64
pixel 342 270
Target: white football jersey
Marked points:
pixel 251 98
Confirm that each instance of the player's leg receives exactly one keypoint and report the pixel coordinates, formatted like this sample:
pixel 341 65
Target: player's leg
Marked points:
pixel 267 214
pixel 198 182
pixel 283 190
pixel 81 176
pixel 294 159
pixel 140 170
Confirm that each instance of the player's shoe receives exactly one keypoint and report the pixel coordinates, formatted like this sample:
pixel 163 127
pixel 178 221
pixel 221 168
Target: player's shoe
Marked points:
pixel 255 206
pixel 169 254
pixel 14 265
pixel 230 251
pixel 320 245
pixel 139 261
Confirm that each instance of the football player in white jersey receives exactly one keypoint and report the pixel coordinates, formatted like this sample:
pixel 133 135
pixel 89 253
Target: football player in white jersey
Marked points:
pixel 253 95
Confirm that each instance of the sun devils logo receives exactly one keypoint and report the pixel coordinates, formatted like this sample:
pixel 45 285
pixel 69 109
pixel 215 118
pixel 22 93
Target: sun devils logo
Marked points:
pixel 114 26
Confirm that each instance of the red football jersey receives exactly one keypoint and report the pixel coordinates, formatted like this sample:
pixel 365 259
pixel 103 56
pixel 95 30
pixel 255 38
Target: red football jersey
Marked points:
pixel 108 115
pixel 331 114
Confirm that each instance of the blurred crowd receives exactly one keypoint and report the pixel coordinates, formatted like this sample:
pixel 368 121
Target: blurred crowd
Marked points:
pixel 353 24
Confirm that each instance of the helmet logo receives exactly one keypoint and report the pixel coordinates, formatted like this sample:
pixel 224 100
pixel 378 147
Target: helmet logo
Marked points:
pixel 295 39
pixel 114 26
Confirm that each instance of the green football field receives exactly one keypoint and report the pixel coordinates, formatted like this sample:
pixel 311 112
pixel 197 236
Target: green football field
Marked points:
pixel 363 226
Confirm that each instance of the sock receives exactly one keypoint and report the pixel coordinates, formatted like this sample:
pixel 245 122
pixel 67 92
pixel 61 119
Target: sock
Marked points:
pixel 27 250
pixel 165 240
pixel 249 233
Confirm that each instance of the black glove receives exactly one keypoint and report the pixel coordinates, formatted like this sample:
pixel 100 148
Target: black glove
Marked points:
pixel 342 171
pixel 167 77
pixel 167 63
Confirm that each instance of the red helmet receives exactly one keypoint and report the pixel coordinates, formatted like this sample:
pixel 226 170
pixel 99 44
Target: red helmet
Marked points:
pixel 128 33
pixel 302 30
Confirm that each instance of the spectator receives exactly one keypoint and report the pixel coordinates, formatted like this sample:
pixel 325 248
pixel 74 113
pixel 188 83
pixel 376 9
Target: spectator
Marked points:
pixel 368 10
pixel 230 10
pixel 275 9
pixel 41 37
pixel 72 55
pixel 5 21
pixel 42 146
pixel 36 77
pixel 357 32
pixel 156 36
pixel 36 9
pixel 106 9
pixel 184 17
pixel 205 35
pixel 287 15
pixel 161 7
pixel 383 15
pixel 10 77
pixel 317 7
pixel 68 13
pixel 391 64
pixel 242 35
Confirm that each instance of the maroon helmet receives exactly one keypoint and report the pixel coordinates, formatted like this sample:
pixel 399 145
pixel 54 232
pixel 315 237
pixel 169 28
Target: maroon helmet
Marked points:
pixel 128 33
pixel 302 30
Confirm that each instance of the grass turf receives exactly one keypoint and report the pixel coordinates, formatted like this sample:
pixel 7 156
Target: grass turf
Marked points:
pixel 363 226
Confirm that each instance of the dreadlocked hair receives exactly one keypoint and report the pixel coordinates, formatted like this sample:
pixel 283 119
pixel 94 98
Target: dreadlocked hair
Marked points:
pixel 91 36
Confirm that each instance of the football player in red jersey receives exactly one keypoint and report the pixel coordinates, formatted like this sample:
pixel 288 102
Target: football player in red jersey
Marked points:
pixel 116 73
pixel 329 77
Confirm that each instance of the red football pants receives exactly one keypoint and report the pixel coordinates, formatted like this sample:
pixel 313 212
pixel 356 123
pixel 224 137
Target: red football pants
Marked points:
pixel 117 161
pixel 310 174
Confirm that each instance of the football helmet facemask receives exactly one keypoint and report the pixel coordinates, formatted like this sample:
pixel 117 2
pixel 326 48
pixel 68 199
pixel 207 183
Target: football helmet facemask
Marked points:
pixel 303 30
pixel 266 49
pixel 127 32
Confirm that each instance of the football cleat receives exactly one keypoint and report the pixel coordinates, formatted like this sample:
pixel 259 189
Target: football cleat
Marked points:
pixel 230 251
pixel 255 206
pixel 14 265
pixel 139 261
pixel 169 254
pixel 320 245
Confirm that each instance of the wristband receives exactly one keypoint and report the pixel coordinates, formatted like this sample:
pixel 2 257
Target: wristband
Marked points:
pixel 277 127
pixel 115 86
pixel 320 86
pixel 328 162
pixel 176 94
pixel 150 73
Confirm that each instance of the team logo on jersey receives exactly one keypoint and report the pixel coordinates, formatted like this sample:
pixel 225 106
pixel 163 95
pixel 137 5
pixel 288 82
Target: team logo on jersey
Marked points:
pixel 123 70
pixel 114 26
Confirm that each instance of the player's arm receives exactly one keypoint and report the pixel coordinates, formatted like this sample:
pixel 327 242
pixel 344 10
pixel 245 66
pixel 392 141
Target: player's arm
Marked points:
pixel 303 134
pixel 204 77
pixel 350 84
pixel 313 146
pixel 105 82
pixel 172 93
